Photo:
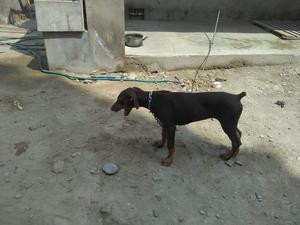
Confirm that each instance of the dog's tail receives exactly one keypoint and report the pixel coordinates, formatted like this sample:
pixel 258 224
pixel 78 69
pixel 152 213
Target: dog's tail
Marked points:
pixel 241 95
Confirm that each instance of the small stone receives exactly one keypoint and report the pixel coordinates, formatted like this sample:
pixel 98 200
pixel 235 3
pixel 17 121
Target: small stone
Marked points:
pixel 93 171
pixel 157 197
pixel 284 195
pixel 156 179
pixel 258 197
pixel 239 163
pixel 217 84
pixel 180 220
pixel 280 103
pixel 58 166
pixel 155 213
pixel 298 158
pixel 18 105
pixel 110 169
pixel 21 147
pixel 105 210
pixel 18 196
pixel 276 217
pixel 218 216
pixel 201 212
pixel 75 154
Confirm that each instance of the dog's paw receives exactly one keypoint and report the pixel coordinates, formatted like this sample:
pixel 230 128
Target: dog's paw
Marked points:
pixel 167 161
pixel 158 144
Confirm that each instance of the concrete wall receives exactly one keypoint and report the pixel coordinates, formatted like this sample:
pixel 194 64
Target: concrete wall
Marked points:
pixel 207 9
pixel 100 47
pixel 7 5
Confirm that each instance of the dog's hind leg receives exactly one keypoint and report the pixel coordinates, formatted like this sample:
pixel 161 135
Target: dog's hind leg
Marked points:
pixel 234 136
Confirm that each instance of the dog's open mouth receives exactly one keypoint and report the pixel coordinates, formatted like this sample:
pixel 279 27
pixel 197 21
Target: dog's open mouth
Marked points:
pixel 127 111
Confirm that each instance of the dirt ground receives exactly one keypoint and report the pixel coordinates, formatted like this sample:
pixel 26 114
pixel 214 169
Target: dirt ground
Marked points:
pixel 55 131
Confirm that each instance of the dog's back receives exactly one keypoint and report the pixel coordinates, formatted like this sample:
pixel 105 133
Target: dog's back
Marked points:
pixel 183 108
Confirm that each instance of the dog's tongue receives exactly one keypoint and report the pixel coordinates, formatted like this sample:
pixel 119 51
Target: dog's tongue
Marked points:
pixel 126 112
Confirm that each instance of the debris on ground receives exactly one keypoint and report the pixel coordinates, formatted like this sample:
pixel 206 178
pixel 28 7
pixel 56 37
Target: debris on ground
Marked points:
pixel 18 196
pixel 18 105
pixel 216 84
pixel 220 79
pixel 258 197
pixel 239 163
pixel 110 169
pixel 93 171
pixel 280 103
pixel 58 166
pixel 155 213
pixel 229 162
pixel 31 128
pixel 201 212
pixel 21 147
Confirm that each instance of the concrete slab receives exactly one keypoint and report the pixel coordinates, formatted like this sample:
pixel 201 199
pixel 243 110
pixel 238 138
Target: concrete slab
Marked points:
pixel 180 45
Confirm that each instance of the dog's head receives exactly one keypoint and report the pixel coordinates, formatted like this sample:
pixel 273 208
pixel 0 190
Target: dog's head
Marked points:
pixel 126 100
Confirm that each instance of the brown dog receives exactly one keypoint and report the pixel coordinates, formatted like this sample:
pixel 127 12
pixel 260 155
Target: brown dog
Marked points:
pixel 178 108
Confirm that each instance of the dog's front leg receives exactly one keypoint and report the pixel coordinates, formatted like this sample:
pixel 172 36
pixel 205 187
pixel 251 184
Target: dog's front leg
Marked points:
pixel 167 161
pixel 161 143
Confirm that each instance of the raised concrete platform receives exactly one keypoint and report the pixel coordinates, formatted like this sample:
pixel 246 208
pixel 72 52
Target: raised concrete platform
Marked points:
pixel 182 45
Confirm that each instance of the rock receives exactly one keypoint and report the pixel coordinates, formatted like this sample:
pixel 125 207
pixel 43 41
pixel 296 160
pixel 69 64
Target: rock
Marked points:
pixel 156 179
pixel 75 154
pixel 58 166
pixel 18 105
pixel 110 169
pixel 21 147
pixel 258 197
pixel 217 84
pixel 105 210
pixel 93 171
pixel 218 216
pixel 280 103
pixel 180 219
pixel 201 212
pixel 157 197
pixel 18 196
pixel 155 213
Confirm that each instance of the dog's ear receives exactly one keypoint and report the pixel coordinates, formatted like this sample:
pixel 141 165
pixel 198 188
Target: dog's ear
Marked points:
pixel 134 99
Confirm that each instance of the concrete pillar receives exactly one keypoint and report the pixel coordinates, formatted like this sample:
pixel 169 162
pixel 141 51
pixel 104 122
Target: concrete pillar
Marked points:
pixel 100 46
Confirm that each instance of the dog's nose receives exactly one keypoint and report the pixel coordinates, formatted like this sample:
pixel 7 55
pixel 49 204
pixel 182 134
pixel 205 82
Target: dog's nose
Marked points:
pixel 114 107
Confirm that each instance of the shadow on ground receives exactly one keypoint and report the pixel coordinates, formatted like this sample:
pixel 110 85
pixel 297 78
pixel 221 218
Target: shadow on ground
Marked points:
pixel 71 122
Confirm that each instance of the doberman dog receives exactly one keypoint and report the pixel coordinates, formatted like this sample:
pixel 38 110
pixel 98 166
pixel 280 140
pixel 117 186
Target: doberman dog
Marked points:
pixel 179 108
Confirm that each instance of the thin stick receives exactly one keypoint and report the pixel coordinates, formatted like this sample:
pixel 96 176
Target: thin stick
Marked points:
pixel 210 44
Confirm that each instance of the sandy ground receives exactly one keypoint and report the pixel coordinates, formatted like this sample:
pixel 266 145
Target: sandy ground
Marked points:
pixel 48 152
